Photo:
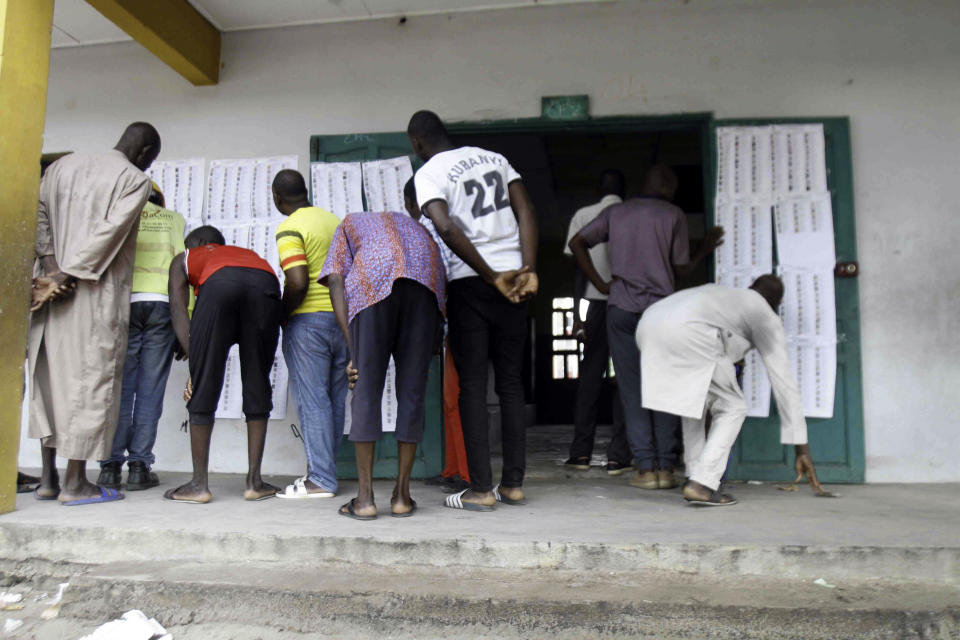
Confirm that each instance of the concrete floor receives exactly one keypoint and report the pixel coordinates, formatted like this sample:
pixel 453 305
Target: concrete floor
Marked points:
pixel 574 520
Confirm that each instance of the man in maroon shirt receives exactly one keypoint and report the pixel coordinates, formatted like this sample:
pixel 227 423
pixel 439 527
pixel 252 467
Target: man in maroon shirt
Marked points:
pixel 649 247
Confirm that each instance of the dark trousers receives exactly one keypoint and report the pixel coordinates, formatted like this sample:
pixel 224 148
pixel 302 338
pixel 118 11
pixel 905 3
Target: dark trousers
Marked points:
pixel 408 326
pixel 596 354
pixel 652 434
pixel 485 326
pixel 238 306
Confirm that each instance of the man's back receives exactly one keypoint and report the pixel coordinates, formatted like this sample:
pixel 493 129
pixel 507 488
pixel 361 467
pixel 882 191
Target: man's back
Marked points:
pixel 646 238
pixel 159 239
pixel 79 193
pixel 374 249
pixel 304 239
pixel 474 184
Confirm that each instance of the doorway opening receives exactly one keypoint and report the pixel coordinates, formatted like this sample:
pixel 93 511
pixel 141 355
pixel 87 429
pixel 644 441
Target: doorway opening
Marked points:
pixel 561 164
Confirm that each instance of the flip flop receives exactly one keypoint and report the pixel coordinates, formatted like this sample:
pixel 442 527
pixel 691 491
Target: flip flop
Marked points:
pixel 455 501
pixel 298 491
pixel 413 510
pixel 717 499
pixel 106 495
pixel 265 497
pixel 350 513
pixel 25 483
pixel 168 495
pixel 36 494
pixel 505 500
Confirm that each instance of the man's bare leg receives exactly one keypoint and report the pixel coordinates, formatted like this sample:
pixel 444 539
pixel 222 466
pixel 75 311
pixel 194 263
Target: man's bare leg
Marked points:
pixel 197 490
pixel 401 501
pixel 49 477
pixel 363 504
pixel 75 483
pixel 257 489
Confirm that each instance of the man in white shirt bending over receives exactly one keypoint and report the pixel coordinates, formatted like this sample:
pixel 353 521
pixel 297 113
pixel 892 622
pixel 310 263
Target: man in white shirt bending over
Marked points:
pixel 689 342
pixel 482 211
pixel 596 348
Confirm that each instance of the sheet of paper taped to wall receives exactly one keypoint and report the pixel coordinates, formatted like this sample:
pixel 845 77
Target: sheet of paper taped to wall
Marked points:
pixel 336 187
pixel 772 186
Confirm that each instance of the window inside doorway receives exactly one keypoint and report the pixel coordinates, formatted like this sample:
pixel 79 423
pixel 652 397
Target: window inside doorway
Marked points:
pixel 567 349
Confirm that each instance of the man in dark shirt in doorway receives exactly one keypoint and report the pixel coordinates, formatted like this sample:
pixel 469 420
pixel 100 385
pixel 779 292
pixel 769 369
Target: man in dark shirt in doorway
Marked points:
pixel 649 248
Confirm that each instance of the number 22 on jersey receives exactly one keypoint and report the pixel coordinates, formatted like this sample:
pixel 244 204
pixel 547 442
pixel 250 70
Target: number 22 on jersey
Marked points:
pixel 494 188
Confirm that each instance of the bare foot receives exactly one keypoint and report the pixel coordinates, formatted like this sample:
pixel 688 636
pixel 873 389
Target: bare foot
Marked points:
pixel 189 492
pixel 260 491
pixel 80 491
pixel 486 498
pixel 400 504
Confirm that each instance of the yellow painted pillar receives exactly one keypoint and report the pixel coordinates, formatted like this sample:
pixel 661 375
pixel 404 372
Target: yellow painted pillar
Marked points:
pixel 24 65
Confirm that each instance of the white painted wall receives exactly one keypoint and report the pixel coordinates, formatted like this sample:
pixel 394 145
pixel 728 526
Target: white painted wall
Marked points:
pixel 892 66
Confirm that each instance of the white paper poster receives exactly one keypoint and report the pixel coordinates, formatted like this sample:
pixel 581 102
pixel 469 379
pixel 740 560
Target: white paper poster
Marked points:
pixel 756 385
pixel 809 308
pixel 805 232
pixel 231 394
pixel 388 403
pixel 241 190
pixel 337 187
pixel 181 182
pixel 748 235
pixel 772 186
pixel 383 182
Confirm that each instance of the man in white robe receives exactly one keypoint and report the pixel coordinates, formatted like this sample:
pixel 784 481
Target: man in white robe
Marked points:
pixel 689 343
pixel 87 219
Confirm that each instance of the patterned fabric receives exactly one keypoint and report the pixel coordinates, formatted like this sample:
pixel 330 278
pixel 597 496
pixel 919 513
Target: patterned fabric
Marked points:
pixel 372 250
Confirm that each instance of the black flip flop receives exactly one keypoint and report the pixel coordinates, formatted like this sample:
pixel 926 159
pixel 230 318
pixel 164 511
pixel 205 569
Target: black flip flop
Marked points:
pixel 717 499
pixel 36 494
pixel 350 513
pixel 413 510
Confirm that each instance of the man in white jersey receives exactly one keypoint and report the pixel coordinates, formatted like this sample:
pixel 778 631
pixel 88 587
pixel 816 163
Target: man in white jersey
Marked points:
pixel 482 211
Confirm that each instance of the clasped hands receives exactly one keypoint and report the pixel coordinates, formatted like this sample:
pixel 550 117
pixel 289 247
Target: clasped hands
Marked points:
pixel 48 288
pixel 517 285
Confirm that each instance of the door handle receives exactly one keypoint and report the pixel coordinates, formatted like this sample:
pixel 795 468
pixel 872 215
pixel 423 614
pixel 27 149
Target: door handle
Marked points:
pixel 847 270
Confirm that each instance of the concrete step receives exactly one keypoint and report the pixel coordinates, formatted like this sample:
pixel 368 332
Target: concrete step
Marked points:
pixel 247 600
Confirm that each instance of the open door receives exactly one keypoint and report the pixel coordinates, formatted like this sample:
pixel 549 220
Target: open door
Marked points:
pixel 836 443
pixel 360 147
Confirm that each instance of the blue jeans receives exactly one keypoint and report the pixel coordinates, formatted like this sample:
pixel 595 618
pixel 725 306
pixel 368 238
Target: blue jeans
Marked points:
pixel 316 355
pixel 145 371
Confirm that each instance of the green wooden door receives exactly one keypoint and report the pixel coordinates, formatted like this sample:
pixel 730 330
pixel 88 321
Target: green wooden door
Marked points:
pixel 836 443
pixel 359 147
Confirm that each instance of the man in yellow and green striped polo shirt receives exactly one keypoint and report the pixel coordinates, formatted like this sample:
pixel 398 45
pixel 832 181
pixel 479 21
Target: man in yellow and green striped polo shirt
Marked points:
pixel 313 346
pixel 150 348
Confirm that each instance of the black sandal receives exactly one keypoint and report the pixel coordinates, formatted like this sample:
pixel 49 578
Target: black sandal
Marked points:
pixel 350 513
pixel 716 499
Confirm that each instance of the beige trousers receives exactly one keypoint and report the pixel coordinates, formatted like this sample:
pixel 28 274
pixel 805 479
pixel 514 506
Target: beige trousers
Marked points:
pixel 706 455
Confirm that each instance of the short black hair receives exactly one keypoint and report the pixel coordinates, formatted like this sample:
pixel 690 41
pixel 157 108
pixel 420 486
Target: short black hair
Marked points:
pixel 410 191
pixel 289 184
pixel 204 235
pixel 612 181
pixel 428 127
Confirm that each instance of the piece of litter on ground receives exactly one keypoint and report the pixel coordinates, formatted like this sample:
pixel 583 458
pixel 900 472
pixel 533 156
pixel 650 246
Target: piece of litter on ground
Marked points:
pixel 133 625
pixel 60 589
pixel 40 597
pixel 824 583
pixel 789 487
pixel 11 624
pixel 10 598
pixel 827 494
pixel 12 607
pixel 754 482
